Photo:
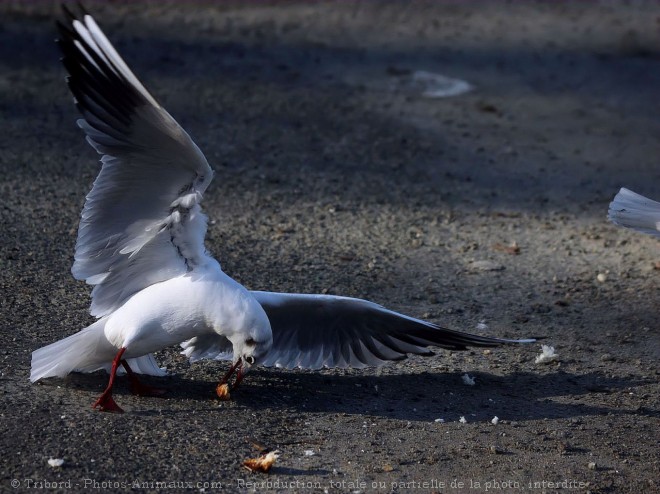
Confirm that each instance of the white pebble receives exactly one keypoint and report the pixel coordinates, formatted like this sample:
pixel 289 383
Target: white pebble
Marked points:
pixel 467 380
pixel 309 452
pixel 55 462
pixel 602 277
pixel 547 355
pixel 486 266
pixel 495 421
pixel 462 420
pixel 440 421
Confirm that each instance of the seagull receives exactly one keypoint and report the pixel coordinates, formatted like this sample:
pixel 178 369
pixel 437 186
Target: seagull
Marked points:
pixel 634 211
pixel 141 245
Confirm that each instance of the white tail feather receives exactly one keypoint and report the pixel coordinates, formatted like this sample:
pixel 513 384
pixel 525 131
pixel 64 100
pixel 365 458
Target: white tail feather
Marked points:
pixel 632 210
pixel 146 365
pixel 85 351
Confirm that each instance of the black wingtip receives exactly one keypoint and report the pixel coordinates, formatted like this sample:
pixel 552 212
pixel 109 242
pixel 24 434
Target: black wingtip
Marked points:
pixel 64 24
pixel 103 94
pixel 65 32
pixel 82 9
pixel 68 13
pixel 75 12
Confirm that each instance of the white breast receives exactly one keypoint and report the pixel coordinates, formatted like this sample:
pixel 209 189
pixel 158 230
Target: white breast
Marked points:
pixel 167 313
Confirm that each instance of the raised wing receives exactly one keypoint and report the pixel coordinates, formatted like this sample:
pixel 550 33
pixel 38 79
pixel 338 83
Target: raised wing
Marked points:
pixel 315 331
pixel 141 223
pixel 632 210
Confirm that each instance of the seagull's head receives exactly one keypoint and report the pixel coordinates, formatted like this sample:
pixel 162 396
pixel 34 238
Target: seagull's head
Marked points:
pixel 252 350
pixel 256 340
pixel 251 344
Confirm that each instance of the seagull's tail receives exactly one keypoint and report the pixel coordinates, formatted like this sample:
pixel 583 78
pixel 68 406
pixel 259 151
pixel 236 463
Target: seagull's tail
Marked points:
pixel 86 351
pixel 631 210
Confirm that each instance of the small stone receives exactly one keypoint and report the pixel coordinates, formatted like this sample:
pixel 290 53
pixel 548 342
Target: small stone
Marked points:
pixel 602 277
pixel 55 462
pixel 592 465
pixel 486 266
pixel 467 380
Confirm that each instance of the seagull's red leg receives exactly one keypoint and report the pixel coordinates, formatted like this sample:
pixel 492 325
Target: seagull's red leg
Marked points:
pixel 239 378
pixel 105 401
pixel 137 388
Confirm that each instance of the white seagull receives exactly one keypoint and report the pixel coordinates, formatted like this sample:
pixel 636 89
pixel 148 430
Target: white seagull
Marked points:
pixel 634 211
pixel 141 244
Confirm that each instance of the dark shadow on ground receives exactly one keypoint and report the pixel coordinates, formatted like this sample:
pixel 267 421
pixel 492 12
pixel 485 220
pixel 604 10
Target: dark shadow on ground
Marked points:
pixel 424 397
pixel 299 76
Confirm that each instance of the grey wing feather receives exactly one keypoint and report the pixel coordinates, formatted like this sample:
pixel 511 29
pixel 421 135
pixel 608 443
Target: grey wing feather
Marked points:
pixel 142 222
pixel 316 331
pixel 208 346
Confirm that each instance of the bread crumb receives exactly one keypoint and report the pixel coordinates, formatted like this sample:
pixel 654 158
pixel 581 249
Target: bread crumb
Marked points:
pixel 547 355
pixel 222 390
pixel 263 463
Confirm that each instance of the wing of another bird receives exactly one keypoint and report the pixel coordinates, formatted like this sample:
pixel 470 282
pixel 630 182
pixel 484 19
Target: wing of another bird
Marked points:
pixel 632 210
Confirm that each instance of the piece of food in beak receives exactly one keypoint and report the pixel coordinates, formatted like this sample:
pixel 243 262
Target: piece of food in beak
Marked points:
pixel 223 387
pixel 222 390
pixel 263 463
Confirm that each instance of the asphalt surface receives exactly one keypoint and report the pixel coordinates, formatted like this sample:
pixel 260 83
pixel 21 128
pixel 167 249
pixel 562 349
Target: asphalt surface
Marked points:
pixel 334 174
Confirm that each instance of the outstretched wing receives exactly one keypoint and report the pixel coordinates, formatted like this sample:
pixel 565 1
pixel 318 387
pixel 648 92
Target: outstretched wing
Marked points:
pixel 632 210
pixel 315 331
pixel 142 222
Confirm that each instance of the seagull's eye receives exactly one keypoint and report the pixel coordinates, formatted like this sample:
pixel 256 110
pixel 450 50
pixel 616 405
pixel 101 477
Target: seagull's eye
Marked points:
pixel 249 360
pixel 250 342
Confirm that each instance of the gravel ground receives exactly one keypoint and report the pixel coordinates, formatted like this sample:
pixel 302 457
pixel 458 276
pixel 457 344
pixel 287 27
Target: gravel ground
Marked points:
pixel 334 173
